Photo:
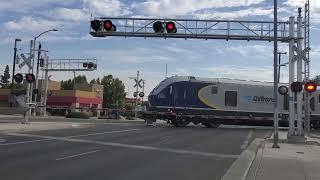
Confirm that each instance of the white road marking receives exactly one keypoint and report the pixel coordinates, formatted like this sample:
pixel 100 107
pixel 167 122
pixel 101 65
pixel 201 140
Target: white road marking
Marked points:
pixel 77 155
pixel 151 148
pixel 246 142
pixel 2 140
pixel 47 138
pixel 24 142
pixel 101 133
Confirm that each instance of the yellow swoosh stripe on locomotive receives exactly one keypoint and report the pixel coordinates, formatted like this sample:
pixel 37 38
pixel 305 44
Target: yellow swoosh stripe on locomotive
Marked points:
pixel 203 100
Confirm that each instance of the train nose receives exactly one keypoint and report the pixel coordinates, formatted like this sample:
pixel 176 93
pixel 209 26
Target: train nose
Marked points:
pixel 152 99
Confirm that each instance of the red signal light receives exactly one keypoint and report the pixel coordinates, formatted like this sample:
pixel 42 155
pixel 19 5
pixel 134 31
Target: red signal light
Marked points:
pixel 108 26
pixel 171 27
pixel 30 78
pixel 310 87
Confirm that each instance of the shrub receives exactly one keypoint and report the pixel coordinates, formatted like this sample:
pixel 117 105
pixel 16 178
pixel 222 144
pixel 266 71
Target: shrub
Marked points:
pixel 80 115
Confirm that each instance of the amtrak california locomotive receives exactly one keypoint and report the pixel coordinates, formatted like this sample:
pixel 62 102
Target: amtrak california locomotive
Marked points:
pixel 181 100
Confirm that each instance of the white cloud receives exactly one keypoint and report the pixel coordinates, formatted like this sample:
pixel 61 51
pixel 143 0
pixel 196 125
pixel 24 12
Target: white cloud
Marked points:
pixel 240 72
pixel 256 50
pixel 314 8
pixel 235 14
pixel 105 7
pixel 25 5
pixel 69 14
pixel 134 55
pixel 183 7
pixel 31 24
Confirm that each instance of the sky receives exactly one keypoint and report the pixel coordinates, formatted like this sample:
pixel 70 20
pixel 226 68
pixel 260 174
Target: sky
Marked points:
pixel 123 57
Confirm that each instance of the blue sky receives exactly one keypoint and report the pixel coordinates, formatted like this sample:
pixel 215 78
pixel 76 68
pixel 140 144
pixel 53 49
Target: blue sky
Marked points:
pixel 123 57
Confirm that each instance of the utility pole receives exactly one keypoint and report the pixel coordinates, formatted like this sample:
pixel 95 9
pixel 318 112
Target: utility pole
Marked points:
pixel 166 76
pixel 137 94
pixel 74 80
pixel 299 73
pixel 143 85
pixel 275 78
pixel 14 65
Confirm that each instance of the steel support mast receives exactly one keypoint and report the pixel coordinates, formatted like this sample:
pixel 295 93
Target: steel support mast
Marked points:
pixel 275 79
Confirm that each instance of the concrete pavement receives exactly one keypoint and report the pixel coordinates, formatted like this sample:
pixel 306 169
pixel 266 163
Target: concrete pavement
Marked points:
pixel 291 161
pixel 124 151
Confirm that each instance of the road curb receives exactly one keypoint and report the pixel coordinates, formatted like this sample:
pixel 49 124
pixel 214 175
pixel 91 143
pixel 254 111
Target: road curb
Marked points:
pixel 240 168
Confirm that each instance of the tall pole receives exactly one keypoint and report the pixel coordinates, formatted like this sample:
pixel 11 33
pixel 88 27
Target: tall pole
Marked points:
pixel 74 80
pixel 37 71
pixel 29 91
pixel 14 61
pixel 46 87
pixel 34 49
pixel 14 65
pixel 291 77
pixel 137 94
pixel 143 84
pixel 299 74
pixel 166 71
pixel 275 78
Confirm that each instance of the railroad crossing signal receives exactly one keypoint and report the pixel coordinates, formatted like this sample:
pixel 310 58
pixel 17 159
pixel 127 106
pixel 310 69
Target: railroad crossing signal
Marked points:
pixel 310 87
pixel 89 65
pixel 138 83
pixel 30 78
pixel 171 27
pixel 141 94
pixel 283 90
pixel 296 87
pixel 27 61
pixel 106 25
pixel 18 78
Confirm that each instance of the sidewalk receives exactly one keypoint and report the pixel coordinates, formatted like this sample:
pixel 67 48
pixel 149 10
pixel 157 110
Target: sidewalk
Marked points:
pixel 289 162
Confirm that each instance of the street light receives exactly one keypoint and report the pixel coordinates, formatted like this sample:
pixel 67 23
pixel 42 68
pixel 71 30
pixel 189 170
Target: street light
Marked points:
pixel 275 78
pixel 14 59
pixel 34 49
pixel 14 64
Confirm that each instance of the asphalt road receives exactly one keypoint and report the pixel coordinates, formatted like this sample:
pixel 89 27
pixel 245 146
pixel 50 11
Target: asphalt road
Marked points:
pixel 124 151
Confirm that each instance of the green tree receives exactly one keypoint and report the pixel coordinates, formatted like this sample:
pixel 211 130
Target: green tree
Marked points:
pixel 113 92
pixel 81 79
pixel 316 79
pixel 95 81
pixel 68 85
pixel 6 76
